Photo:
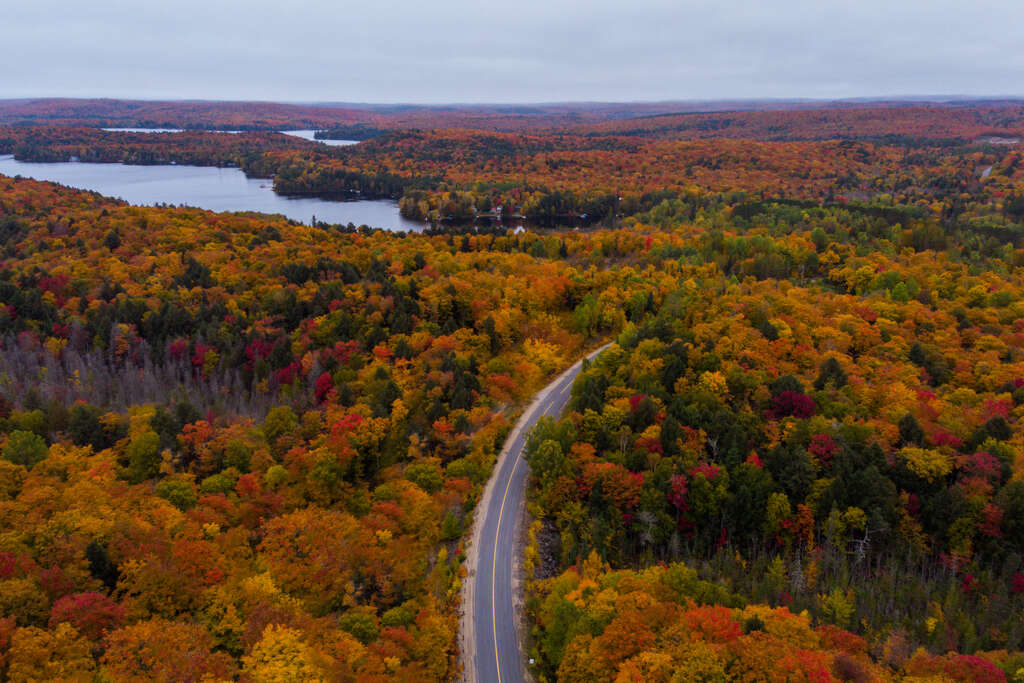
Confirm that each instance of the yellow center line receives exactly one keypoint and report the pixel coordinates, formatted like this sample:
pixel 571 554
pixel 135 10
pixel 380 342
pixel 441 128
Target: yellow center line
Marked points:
pixel 494 565
pixel 494 555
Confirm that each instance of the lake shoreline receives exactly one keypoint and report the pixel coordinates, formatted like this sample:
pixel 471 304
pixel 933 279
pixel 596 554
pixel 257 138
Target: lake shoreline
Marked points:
pixel 155 184
pixel 215 188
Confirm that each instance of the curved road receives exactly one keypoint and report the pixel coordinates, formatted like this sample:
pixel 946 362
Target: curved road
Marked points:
pixel 490 645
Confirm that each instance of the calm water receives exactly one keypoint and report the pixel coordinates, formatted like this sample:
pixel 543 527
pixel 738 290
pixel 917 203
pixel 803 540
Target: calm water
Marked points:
pixel 308 135
pixel 217 189
pixel 304 134
pixel 143 130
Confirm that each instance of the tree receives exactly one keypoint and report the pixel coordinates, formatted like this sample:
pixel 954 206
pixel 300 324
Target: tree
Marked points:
pixel 143 453
pixel 830 371
pixel 426 475
pixel 548 463
pixel 282 656
pixel 361 623
pixel 59 654
pixel 179 492
pixel 911 433
pixel 92 614
pixel 279 422
pixel 25 601
pixel 157 649
pixel 333 546
pixel 25 448
pixel 86 427
pixel 12 477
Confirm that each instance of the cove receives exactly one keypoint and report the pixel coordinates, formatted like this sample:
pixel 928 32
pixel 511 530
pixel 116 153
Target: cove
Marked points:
pixel 216 189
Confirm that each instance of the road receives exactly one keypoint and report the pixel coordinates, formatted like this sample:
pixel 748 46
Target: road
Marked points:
pixel 491 646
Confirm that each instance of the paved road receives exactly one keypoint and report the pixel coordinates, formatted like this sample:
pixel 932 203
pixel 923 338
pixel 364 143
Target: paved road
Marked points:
pixel 490 641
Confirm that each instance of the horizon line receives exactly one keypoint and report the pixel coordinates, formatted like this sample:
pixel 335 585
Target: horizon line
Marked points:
pixel 908 98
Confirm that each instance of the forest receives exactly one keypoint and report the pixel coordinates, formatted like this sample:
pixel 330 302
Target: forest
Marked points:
pixel 809 424
pixel 217 415
pixel 456 176
pixel 235 447
pixel 266 116
pixel 914 125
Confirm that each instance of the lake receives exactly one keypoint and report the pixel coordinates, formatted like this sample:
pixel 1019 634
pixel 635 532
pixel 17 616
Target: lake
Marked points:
pixel 144 130
pixel 216 189
pixel 306 134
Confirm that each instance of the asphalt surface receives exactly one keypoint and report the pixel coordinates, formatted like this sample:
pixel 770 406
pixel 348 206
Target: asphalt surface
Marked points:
pixel 494 649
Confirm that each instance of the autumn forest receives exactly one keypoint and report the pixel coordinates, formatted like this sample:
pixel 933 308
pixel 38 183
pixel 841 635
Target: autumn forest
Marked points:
pixel 237 447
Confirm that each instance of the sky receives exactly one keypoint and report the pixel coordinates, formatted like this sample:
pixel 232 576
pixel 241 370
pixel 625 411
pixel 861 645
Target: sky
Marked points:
pixel 447 51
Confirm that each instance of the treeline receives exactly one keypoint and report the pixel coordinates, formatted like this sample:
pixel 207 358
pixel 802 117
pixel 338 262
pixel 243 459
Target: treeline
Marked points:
pixel 318 181
pixel 911 125
pixel 197 148
pixel 459 175
pixel 110 113
pixel 354 132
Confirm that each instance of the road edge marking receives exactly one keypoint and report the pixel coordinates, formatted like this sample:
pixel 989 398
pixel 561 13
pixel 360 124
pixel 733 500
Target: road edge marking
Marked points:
pixel 468 629
pixel 494 563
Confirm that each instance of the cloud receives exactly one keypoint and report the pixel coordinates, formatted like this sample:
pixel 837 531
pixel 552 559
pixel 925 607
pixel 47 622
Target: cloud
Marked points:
pixel 529 50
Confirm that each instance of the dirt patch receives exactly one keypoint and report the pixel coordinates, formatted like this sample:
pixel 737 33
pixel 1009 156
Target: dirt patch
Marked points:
pixel 522 531
pixel 549 546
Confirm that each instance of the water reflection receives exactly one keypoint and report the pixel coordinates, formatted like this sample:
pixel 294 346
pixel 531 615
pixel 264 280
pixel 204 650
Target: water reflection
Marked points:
pixel 216 189
pixel 143 130
pixel 309 135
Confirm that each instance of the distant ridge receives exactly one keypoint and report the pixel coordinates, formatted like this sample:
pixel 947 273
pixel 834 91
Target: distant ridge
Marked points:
pixel 254 115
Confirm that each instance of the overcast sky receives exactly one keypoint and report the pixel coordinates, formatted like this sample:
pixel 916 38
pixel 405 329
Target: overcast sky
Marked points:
pixel 434 51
